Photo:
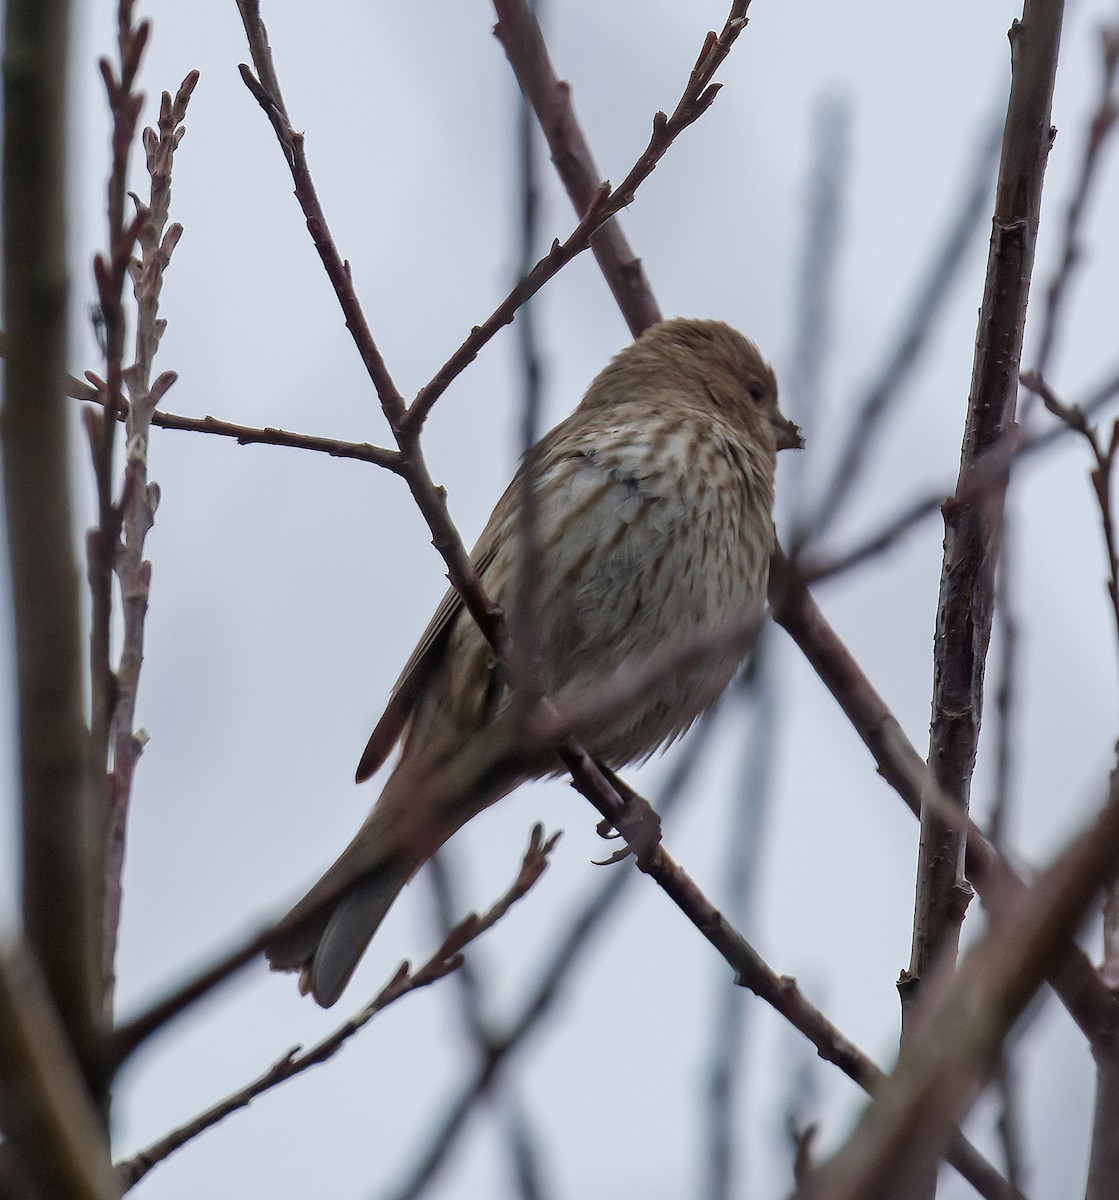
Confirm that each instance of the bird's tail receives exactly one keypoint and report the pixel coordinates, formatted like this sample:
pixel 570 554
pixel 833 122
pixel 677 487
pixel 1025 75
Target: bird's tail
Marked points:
pixel 324 940
pixel 326 933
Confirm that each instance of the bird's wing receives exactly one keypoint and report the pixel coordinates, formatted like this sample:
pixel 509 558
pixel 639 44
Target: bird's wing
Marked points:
pixel 417 670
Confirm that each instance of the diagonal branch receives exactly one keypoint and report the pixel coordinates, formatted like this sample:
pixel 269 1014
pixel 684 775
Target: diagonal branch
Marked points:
pixel 815 570
pixel 965 1020
pixel 1089 1002
pixel 54 1133
pixel 447 958
pixel 519 33
pixel 605 203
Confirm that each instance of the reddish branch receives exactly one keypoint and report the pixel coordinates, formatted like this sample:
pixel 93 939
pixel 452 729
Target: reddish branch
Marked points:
pixel 248 435
pixel 137 508
pixel 110 271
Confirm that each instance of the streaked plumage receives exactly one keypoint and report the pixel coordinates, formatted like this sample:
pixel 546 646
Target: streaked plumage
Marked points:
pixel 653 523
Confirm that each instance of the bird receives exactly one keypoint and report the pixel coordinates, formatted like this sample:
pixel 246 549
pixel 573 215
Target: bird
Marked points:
pixel 651 520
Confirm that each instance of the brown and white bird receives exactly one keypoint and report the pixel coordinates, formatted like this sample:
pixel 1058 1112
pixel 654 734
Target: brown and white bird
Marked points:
pixel 653 523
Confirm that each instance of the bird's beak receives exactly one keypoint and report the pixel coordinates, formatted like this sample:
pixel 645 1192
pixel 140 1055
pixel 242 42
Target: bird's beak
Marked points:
pixel 788 434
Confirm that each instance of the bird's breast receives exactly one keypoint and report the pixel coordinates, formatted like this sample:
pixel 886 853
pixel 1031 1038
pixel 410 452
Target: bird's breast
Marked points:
pixel 646 540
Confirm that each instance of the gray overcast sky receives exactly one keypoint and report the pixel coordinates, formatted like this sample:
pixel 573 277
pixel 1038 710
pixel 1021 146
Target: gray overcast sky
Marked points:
pixel 289 588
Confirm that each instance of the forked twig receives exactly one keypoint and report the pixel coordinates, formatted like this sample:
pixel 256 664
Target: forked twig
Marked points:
pixel 447 958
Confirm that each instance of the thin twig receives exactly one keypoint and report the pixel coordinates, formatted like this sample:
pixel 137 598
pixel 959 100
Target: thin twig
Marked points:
pixel 265 87
pixel 821 240
pixel 915 331
pixel 410 465
pixel 605 204
pixel 1104 454
pixel 1099 126
pixel 751 799
pixel 249 435
pixel 942 1069
pixel 140 498
pixel 567 951
pixel 1089 1002
pixel 519 33
pixel 110 271
pixel 816 570
pixel 446 959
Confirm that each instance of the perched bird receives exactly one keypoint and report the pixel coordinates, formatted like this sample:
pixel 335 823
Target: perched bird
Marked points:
pixel 652 518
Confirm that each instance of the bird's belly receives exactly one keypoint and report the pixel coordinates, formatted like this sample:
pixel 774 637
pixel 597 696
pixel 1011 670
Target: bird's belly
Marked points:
pixel 649 585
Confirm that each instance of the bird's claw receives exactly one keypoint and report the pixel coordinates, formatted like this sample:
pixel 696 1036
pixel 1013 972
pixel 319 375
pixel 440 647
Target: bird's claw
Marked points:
pixel 617 857
pixel 641 828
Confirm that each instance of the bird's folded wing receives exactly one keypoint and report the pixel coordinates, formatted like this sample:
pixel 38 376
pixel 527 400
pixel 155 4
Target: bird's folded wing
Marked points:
pixel 412 679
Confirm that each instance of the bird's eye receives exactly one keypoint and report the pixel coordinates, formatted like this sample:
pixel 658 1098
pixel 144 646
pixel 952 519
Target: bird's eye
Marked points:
pixel 756 389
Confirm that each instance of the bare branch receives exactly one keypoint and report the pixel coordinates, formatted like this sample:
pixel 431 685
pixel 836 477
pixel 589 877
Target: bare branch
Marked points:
pixel 604 204
pixel 916 328
pixel 446 959
pixel 519 33
pixel 60 825
pixel 110 270
pixel 1099 127
pixel 972 526
pixel 140 498
pixel 410 465
pixel 895 528
pixel 50 1124
pixel 1076 419
pixel 249 435
pixel 265 87
pixel 958 1030
pixel 1075 980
